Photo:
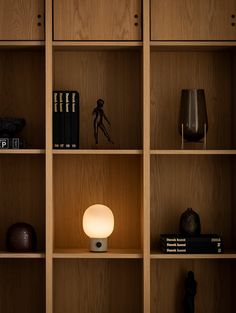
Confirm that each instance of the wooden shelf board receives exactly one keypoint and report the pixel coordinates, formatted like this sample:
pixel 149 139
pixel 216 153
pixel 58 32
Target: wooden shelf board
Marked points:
pixel 18 44
pixel 86 254
pixel 22 151
pixel 91 151
pixel 201 152
pixel 197 45
pixel 97 44
pixel 13 255
pixel 230 254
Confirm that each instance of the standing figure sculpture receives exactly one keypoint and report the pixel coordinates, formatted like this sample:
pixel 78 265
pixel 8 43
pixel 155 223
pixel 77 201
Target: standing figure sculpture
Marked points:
pixel 98 121
pixel 190 292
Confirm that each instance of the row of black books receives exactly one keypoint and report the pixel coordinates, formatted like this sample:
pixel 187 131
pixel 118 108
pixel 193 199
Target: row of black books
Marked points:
pixel 208 243
pixel 65 119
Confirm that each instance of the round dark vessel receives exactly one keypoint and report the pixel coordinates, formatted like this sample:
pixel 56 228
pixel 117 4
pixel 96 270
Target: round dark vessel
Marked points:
pixel 190 223
pixel 10 126
pixel 21 237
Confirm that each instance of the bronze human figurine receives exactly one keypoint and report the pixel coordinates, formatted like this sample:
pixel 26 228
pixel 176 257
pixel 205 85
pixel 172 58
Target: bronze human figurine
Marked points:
pixel 190 292
pixel 98 121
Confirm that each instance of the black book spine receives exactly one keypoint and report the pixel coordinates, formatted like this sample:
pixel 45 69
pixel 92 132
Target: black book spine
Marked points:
pixel 192 250
pixel 75 120
pixel 67 114
pixel 199 239
pixel 193 245
pixel 56 121
pixel 62 119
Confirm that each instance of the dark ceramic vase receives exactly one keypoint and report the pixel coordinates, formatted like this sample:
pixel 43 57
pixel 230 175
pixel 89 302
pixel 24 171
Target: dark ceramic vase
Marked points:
pixel 190 223
pixel 193 114
pixel 21 237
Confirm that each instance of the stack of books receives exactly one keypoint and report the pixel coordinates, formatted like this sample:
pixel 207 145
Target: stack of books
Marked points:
pixel 65 120
pixel 174 243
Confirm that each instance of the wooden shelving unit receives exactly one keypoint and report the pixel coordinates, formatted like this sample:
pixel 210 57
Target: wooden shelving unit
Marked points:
pixel 137 55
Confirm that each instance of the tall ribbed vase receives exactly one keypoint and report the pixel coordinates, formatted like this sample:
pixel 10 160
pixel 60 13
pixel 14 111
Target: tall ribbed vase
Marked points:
pixel 193 122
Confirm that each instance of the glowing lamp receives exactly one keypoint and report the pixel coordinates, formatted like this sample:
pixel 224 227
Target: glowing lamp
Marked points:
pixel 98 224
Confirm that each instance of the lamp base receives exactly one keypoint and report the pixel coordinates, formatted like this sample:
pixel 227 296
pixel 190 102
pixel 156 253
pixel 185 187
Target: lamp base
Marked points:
pixel 98 244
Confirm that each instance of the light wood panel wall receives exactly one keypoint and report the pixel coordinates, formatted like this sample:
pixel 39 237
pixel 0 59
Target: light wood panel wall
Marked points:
pixel 97 286
pixel 80 181
pixel 215 289
pixel 19 20
pixel 199 182
pixel 93 20
pixel 193 20
pixel 22 286
pixel 114 76
pixel 22 195
pixel 173 71
pixel 22 92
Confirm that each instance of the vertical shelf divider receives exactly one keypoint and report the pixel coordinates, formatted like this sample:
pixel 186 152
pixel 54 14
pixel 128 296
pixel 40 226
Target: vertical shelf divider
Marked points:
pixel 146 156
pixel 49 156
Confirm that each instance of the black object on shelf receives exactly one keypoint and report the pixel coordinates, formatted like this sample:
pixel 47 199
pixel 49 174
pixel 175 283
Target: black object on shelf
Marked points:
pixel 98 124
pixel 9 129
pixel 193 121
pixel 177 243
pixel 65 120
pixel 21 237
pixel 190 293
pixel 190 224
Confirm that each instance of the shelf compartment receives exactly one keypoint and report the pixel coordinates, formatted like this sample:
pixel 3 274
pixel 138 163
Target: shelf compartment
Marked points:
pixel 192 20
pixel 203 182
pixel 86 254
pixel 99 286
pixel 80 181
pixel 22 92
pixel 119 20
pixel 22 184
pixel 212 71
pixel 22 286
pixel 114 76
pixel 215 285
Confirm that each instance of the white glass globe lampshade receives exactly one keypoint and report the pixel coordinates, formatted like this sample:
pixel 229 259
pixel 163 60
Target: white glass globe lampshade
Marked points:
pixel 98 224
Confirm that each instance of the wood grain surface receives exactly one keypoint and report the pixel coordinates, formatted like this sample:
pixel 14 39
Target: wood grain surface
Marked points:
pixel 22 194
pixel 97 20
pixel 22 286
pixel 22 92
pixel 80 181
pixel 173 71
pixel 215 289
pixel 19 20
pixel 97 286
pixel 193 20
pixel 114 76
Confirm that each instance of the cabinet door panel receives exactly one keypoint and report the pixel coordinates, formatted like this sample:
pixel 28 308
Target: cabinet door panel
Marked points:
pixel 97 20
pixel 193 19
pixel 19 19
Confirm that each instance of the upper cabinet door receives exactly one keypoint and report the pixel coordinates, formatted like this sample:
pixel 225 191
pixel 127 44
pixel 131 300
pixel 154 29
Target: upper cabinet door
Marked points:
pixel 21 19
pixel 193 19
pixel 97 20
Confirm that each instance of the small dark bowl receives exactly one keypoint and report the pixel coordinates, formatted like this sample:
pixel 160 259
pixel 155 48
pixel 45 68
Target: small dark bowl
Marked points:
pixel 21 237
